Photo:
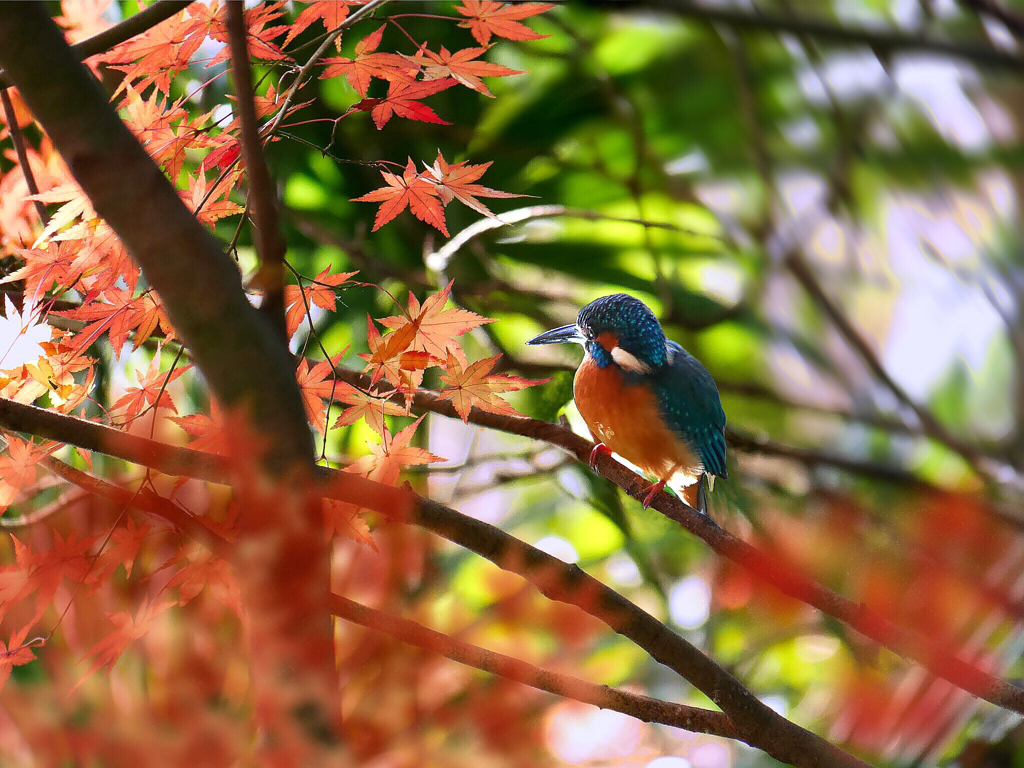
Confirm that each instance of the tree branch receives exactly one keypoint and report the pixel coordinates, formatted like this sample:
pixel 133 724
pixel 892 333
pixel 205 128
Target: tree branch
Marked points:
pixel 641 707
pixel 883 41
pixel 270 245
pixel 787 579
pixel 756 723
pixel 644 708
pixel 19 148
pixel 246 364
pixel 134 25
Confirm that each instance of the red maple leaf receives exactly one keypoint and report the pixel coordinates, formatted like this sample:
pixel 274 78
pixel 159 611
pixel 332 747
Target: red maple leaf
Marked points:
pixel 475 387
pixel 456 181
pixel 489 17
pixel 433 327
pixel 127 628
pixel 402 101
pixel 368 63
pixel 317 384
pixel 410 190
pixel 461 66
pixel 320 293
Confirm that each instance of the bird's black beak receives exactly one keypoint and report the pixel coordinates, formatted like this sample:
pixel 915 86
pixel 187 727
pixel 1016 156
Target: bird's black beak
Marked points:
pixel 567 333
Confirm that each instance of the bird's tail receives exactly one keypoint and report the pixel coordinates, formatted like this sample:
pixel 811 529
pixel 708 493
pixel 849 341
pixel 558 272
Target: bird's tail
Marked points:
pixel 696 495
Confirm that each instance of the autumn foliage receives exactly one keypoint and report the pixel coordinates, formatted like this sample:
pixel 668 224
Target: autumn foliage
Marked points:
pixel 93 581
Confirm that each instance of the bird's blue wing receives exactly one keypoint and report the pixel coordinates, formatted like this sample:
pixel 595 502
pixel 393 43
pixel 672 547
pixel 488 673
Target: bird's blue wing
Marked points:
pixel 690 404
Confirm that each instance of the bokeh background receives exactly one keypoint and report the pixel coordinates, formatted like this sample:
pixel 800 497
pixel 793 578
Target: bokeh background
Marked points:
pixel 822 200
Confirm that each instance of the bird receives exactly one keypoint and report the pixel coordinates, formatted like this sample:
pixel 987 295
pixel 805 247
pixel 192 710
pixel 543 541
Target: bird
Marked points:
pixel 644 397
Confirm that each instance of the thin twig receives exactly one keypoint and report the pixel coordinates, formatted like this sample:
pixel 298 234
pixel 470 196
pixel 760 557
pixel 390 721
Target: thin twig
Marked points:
pixel 270 244
pixel 19 147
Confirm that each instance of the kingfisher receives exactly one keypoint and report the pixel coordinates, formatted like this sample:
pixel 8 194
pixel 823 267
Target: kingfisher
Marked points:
pixel 644 397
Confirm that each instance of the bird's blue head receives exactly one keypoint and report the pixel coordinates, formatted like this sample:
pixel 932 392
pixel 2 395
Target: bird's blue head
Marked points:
pixel 615 330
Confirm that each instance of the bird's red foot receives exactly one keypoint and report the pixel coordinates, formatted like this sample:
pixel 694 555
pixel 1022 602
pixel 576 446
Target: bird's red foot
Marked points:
pixel 599 450
pixel 654 490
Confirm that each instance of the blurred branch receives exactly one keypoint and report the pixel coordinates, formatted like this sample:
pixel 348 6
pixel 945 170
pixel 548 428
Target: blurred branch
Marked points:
pixel 635 705
pixel 270 245
pixel 755 723
pixel 11 118
pixel 804 274
pixel 1011 19
pixel 883 41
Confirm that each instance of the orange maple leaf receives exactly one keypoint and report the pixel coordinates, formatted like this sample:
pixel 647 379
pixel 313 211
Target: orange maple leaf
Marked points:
pixel 386 459
pixel 127 628
pixel 369 63
pixel 152 391
pixel 330 12
pixel 410 190
pixel 345 519
pixel 403 100
pixel 15 653
pixel 461 66
pixel 489 17
pixel 475 387
pixel 18 466
pixel 318 384
pixel 455 181
pixel 208 431
pixel 434 328
pixel 320 293
pixel 364 405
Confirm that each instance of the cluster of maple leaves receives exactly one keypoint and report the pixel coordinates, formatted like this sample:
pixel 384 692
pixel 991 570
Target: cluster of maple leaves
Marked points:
pixel 78 279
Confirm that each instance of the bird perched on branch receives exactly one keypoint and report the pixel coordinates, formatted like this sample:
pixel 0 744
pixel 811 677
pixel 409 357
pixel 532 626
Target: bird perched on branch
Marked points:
pixel 645 397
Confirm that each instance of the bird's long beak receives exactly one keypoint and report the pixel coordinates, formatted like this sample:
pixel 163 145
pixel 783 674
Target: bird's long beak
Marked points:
pixel 567 333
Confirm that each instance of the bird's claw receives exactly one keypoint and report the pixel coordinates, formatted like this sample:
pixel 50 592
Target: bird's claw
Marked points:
pixel 599 450
pixel 654 490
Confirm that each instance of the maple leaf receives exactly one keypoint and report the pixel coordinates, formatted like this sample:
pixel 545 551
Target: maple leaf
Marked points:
pixel 365 406
pixel 460 66
pixel 384 358
pixel 434 328
pixel 15 653
pixel 330 12
pixel 76 208
pixel 386 459
pixel 402 100
pixel 22 334
pixel 155 57
pixel 369 63
pixel 317 387
pixel 152 391
pixel 18 466
pixel 345 519
pixel 455 181
pixel 121 314
pixel 127 628
pixel 475 387
pixel 489 17
pixel 320 293
pixel 410 190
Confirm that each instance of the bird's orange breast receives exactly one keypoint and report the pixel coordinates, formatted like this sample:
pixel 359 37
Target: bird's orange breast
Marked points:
pixel 626 418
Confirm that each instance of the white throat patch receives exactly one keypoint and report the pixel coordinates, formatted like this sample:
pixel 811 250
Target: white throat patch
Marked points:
pixel 629 362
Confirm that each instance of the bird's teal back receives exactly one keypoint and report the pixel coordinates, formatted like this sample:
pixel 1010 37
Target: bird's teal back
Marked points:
pixel 691 407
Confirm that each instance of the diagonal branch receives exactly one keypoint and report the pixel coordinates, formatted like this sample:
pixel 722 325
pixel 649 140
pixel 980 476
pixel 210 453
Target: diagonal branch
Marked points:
pixel 134 25
pixel 756 723
pixel 18 139
pixel 270 244
pixel 641 707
